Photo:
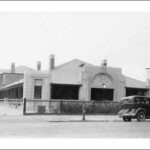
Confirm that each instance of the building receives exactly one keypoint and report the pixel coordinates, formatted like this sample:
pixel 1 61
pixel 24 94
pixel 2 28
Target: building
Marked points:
pixel 74 80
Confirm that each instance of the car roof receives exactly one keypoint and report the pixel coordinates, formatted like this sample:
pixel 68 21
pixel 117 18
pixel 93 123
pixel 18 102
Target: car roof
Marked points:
pixel 134 96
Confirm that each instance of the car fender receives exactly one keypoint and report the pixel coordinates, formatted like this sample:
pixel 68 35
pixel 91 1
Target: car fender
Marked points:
pixel 123 111
pixel 139 109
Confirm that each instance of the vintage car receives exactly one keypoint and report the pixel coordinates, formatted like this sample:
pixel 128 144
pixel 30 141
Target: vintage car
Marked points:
pixel 135 107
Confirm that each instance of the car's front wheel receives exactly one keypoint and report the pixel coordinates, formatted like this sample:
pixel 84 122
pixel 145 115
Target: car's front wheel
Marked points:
pixel 141 116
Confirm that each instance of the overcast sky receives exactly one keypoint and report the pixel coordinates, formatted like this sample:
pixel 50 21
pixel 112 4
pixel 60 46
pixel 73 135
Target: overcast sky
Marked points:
pixel 123 38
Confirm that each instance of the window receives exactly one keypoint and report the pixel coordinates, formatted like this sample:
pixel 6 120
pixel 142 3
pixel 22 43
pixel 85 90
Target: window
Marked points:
pixel 37 92
pixel 142 100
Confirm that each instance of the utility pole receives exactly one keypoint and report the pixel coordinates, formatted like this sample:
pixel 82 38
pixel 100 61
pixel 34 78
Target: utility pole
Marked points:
pixel 83 112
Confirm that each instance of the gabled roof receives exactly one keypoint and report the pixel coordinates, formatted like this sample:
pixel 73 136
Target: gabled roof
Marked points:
pixel 68 73
pixel 19 69
pixel 133 83
pixel 22 69
pixel 74 61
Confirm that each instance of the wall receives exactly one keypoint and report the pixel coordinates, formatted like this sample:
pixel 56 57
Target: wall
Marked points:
pixel 89 72
pixel 69 73
pixel 29 83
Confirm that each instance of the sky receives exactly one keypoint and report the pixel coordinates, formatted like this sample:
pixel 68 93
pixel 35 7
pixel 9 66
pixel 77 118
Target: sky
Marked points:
pixel 123 38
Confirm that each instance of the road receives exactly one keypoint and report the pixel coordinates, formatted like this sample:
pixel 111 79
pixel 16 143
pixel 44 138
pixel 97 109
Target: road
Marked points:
pixel 71 127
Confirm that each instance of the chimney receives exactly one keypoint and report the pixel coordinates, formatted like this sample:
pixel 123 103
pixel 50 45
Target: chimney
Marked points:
pixel 12 67
pixel 104 63
pixel 148 76
pixel 39 66
pixel 51 62
pixel 148 81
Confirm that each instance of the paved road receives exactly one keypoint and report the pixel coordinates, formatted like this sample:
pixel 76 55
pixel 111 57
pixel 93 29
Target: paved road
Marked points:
pixel 71 127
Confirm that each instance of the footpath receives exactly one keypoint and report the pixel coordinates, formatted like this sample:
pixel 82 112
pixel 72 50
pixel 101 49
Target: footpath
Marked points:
pixel 88 118
pixel 59 118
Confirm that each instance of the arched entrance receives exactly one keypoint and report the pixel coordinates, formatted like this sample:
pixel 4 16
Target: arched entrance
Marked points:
pixel 102 87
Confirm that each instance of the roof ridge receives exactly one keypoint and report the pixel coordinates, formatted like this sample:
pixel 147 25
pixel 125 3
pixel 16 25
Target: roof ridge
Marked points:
pixel 70 62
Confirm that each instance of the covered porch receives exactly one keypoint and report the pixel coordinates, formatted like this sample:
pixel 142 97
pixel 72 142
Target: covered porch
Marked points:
pixel 12 91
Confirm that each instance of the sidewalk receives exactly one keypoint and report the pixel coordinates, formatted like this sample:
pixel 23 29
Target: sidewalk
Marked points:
pixel 59 118
pixel 88 118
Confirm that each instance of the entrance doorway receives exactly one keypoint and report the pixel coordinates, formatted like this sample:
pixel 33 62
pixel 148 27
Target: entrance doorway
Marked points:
pixel 98 94
pixel 64 91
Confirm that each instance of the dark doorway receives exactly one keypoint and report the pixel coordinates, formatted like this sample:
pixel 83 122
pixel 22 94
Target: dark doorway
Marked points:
pixel 101 94
pixel 37 92
pixel 63 91
pixel 135 91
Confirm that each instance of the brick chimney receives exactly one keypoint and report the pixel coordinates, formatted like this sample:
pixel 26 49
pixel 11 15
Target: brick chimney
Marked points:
pixel 51 62
pixel 39 66
pixel 12 67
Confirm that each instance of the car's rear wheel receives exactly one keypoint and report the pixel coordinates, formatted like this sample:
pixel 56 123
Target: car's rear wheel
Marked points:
pixel 126 119
pixel 141 116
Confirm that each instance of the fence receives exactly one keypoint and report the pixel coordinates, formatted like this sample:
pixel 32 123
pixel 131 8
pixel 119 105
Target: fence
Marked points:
pixel 69 107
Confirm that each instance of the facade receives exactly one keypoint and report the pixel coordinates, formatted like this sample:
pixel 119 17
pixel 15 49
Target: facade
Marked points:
pixel 74 80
